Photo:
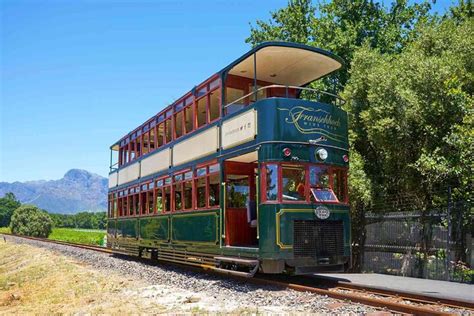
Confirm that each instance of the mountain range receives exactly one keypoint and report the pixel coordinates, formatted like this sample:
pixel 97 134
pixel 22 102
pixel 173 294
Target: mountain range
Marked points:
pixel 79 190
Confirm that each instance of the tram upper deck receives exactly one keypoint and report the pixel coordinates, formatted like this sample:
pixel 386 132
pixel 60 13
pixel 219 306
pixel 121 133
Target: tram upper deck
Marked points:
pixel 214 117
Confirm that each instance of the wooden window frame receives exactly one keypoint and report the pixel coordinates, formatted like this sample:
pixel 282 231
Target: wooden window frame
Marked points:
pixel 183 129
pixel 196 112
pixel 193 125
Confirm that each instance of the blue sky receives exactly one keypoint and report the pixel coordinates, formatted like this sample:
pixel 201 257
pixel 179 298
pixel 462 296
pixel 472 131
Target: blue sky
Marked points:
pixel 77 75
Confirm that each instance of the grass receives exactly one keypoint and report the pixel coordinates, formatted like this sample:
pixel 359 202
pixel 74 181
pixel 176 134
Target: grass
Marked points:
pixel 34 281
pixel 80 236
pixel 75 235
pixel 5 230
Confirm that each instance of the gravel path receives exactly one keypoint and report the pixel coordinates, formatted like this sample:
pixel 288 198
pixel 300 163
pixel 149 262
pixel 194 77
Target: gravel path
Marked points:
pixel 217 294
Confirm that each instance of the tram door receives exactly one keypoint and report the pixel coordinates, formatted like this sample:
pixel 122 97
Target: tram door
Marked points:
pixel 240 204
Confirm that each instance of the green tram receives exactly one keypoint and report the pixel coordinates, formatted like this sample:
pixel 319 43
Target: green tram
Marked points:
pixel 246 172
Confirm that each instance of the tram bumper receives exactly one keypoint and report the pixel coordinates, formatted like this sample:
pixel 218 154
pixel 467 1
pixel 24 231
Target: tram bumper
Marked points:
pixel 316 265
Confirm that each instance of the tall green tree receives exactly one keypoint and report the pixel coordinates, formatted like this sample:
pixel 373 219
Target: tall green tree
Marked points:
pixel 8 204
pixel 342 26
pixel 412 112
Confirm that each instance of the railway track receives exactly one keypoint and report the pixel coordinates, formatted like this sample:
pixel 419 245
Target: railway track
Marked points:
pixel 399 302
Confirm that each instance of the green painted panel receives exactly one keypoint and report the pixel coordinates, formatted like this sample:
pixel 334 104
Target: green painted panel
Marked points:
pixel 127 228
pixel 198 227
pixel 270 215
pixel 301 120
pixel 111 223
pixel 154 228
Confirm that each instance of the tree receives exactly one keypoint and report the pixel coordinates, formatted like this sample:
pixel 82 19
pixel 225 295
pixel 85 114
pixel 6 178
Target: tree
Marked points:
pixel 342 26
pixel 7 205
pixel 412 113
pixel 31 221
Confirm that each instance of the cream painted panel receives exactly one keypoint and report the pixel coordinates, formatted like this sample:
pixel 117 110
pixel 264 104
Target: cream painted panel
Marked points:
pixel 113 179
pixel 239 129
pixel 155 162
pixel 198 146
pixel 129 173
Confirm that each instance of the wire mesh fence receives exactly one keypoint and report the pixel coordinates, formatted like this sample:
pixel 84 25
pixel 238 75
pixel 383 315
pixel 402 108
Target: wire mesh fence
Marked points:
pixel 431 243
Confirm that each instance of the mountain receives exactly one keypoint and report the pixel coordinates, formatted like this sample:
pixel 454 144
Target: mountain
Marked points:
pixel 79 190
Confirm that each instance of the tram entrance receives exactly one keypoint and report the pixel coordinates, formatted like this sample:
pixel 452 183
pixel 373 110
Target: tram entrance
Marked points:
pixel 240 201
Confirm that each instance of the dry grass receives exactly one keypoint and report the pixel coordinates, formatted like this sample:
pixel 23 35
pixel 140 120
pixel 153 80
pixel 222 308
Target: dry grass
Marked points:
pixel 38 281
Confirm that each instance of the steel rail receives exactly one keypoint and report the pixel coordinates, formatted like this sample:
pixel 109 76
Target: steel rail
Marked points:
pixel 358 295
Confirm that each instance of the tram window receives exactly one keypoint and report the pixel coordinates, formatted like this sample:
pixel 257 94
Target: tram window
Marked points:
pixel 119 205
pixel 201 110
pixel 143 202
pixel 188 119
pixel 152 139
pixel 167 205
pixel 132 150
pixel 138 146
pixel 161 134
pixel 214 108
pixel 136 202
pixel 178 197
pixel 293 183
pixel 131 205
pixel 188 195
pixel 320 186
pixel 214 84
pixel 159 200
pixel 146 142
pixel 214 168
pixel 201 172
pixel 214 190
pixel 125 206
pixel 319 176
pixel 238 190
pixel 178 124
pixel 125 154
pixel 115 205
pixel 272 182
pixel 168 131
pixel 201 192
pixel 150 201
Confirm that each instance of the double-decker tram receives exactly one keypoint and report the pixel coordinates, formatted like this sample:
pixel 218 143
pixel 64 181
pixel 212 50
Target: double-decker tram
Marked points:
pixel 246 172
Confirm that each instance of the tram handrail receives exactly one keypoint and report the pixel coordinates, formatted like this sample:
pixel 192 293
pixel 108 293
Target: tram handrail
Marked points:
pixel 336 97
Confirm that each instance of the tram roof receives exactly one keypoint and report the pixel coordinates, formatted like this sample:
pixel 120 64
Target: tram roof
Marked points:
pixel 285 63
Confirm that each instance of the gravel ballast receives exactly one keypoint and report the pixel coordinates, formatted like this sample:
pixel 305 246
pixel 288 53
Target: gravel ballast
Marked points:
pixel 187 290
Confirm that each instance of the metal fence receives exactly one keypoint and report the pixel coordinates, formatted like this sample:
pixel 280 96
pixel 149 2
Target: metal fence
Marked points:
pixel 432 244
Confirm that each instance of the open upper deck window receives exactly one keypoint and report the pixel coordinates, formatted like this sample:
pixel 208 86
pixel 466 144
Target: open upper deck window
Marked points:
pixel 280 65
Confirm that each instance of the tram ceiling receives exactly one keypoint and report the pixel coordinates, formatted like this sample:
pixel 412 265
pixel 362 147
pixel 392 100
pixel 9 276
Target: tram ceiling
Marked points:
pixel 285 65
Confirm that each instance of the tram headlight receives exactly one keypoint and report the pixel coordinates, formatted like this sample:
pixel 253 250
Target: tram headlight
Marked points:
pixel 321 154
pixel 286 152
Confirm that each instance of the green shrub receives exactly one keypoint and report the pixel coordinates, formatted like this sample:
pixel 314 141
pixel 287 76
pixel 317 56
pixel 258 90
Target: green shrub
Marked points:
pixel 29 220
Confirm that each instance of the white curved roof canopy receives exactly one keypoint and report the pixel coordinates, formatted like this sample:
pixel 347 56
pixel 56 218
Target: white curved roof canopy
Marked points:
pixel 292 66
